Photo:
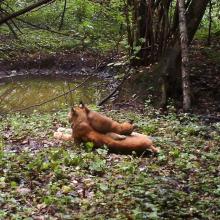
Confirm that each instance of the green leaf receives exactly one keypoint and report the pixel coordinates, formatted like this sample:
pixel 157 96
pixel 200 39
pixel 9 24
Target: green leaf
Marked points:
pixel 103 187
pixel 89 146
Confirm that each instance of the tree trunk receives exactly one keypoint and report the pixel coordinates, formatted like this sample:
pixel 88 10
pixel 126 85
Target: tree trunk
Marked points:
pixel 184 56
pixel 168 66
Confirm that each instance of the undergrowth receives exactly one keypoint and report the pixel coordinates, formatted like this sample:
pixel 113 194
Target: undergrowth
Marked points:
pixel 45 179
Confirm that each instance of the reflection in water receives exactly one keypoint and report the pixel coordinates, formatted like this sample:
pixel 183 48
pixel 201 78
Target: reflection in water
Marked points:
pixel 21 94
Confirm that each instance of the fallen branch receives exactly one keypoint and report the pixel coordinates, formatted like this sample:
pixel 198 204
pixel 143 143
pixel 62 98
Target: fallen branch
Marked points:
pixel 116 89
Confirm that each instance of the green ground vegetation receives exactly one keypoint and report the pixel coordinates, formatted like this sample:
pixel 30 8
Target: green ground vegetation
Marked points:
pixel 87 25
pixel 40 177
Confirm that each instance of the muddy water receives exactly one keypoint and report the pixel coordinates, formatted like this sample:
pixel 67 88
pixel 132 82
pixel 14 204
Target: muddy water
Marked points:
pixel 28 92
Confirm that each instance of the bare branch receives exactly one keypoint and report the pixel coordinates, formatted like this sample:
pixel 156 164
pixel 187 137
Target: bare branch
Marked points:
pixel 24 10
pixel 45 28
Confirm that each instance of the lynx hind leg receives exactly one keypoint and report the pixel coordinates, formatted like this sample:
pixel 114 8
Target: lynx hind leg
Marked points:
pixel 151 145
pixel 116 136
pixel 154 149
pixel 149 141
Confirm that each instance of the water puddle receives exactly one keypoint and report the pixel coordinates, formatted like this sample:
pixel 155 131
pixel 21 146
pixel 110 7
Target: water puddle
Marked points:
pixel 27 92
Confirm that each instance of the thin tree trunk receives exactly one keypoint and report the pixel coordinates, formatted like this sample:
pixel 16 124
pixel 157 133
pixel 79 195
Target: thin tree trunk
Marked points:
pixel 210 22
pixel 128 25
pixel 63 15
pixel 184 56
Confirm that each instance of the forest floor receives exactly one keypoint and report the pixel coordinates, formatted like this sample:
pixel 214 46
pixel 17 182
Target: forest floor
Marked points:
pixel 41 178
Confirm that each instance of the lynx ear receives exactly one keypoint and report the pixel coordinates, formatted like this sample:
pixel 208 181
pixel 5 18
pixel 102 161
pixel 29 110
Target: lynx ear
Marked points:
pixel 81 104
pixel 73 111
